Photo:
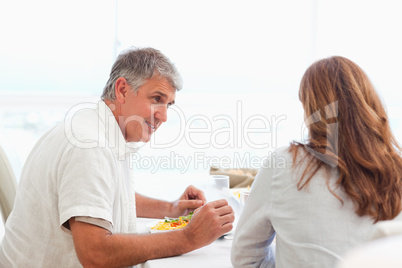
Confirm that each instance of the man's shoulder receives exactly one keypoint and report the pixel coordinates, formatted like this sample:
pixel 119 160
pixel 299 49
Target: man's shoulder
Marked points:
pixel 84 127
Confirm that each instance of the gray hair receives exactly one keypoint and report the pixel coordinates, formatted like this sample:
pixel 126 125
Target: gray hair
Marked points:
pixel 137 65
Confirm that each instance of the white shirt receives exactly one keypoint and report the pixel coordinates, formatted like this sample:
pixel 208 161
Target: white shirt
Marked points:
pixel 313 228
pixel 78 168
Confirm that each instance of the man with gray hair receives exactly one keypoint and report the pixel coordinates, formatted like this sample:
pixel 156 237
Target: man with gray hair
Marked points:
pixel 76 204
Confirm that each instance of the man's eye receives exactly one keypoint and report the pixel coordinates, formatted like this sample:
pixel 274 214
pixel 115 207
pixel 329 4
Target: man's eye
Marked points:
pixel 157 98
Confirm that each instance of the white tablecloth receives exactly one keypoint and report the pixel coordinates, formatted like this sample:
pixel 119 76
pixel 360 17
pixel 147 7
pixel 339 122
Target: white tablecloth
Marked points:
pixel 170 187
pixel 215 255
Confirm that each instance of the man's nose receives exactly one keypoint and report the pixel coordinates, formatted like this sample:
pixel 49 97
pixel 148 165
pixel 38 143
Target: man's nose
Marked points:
pixel 161 113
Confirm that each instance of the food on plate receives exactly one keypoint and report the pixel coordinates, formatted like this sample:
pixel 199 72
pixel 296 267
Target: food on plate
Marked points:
pixel 238 193
pixel 173 224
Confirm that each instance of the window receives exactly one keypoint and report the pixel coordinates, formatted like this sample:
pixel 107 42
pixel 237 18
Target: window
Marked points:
pixel 241 64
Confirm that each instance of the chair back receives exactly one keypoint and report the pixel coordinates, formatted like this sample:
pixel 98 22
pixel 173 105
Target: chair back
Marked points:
pixel 8 185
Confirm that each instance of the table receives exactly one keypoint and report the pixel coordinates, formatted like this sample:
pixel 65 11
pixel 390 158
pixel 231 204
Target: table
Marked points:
pixel 170 187
pixel 215 255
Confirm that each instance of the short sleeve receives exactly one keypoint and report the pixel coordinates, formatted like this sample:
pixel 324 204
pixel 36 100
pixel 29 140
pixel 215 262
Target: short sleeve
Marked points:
pixel 86 184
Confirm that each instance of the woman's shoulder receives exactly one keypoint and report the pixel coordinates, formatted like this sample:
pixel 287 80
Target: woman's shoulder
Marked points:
pixel 284 156
pixel 278 157
pixel 290 153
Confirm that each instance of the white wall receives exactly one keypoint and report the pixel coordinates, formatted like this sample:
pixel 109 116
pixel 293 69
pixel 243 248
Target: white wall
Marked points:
pixel 236 58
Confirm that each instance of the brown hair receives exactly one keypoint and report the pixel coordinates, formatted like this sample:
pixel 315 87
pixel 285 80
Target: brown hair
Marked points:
pixel 349 130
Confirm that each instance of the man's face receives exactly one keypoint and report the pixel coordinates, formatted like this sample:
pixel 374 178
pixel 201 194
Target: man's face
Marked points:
pixel 145 110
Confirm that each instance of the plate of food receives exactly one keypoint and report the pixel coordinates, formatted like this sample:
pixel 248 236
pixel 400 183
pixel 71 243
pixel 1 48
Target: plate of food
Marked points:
pixel 169 224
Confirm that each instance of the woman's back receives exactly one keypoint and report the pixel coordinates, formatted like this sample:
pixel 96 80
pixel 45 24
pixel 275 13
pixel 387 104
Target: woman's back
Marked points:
pixel 334 186
pixel 313 228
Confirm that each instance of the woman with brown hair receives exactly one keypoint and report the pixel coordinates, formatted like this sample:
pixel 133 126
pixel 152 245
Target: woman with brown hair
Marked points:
pixel 326 195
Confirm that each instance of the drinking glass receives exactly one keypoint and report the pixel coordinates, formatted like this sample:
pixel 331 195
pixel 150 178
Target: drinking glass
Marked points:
pixel 217 187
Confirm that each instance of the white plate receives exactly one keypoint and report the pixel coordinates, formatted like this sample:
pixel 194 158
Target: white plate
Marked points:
pixel 152 224
pixel 152 231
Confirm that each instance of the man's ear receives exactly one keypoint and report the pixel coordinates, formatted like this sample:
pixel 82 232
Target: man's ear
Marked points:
pixel 121 89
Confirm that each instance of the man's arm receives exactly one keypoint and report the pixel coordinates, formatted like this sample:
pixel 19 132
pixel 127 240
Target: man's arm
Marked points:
pixel 151 208
pixel 191 199
pixel 97 247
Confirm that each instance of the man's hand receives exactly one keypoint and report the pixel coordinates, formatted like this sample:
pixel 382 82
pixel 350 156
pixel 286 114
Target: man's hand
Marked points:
pixel 191 199
pixel 97 247
pixel 210 222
